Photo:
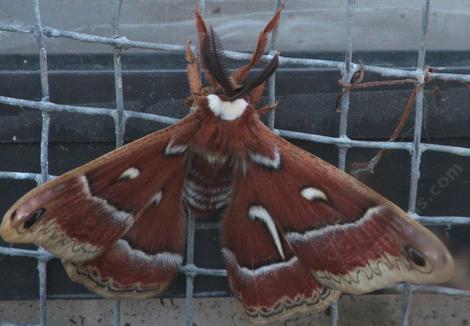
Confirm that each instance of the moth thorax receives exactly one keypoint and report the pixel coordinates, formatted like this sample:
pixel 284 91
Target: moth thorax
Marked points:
pixel 226 110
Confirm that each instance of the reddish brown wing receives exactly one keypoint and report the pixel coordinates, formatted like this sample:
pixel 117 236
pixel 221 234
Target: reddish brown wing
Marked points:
pixel 145 261
pixel 269 286
pixel 349 237
pixel 82 213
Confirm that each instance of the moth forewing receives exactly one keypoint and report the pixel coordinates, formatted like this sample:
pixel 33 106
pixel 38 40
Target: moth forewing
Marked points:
pixel 86 210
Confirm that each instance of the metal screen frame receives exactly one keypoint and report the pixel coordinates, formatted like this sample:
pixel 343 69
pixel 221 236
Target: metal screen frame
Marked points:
pixel 343 142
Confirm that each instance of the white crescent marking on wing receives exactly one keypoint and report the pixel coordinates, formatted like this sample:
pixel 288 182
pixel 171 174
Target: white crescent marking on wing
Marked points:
pixel 266 160
pixel 130 173
pixel 174 149
pixel 157 198
pixel 260 213
pixel 311 193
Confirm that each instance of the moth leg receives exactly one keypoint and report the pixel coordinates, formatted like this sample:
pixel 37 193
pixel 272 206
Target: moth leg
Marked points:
pixel 241 73
pixel 194 79
pixel 267 108
pixel 255 95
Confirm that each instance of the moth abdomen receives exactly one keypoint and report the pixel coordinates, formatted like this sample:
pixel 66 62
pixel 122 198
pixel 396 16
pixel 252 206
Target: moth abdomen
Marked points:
pixel 208 184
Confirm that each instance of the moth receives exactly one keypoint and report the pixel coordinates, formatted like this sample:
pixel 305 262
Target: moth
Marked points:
pixel 297 232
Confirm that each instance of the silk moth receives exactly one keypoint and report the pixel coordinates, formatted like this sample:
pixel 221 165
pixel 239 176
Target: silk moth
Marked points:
pixel 297 232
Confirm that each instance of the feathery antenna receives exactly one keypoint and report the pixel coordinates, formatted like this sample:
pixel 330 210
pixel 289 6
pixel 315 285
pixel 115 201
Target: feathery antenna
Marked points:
pixel 215 61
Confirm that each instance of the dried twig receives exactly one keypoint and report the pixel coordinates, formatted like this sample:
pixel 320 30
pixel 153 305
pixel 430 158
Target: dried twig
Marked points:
pixel 357 83
pixel 369 166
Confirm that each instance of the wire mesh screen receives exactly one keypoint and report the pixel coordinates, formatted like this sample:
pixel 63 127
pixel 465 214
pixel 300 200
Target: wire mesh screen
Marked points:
pixel 347 68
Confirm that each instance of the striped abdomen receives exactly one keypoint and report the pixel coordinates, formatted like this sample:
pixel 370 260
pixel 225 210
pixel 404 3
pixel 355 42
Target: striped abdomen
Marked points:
pixel 208 185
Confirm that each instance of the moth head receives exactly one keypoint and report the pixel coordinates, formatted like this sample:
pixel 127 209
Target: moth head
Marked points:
pixel 229 93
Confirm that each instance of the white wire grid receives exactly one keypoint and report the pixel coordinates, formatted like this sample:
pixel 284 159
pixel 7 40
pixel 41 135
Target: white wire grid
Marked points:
pixel 120 117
